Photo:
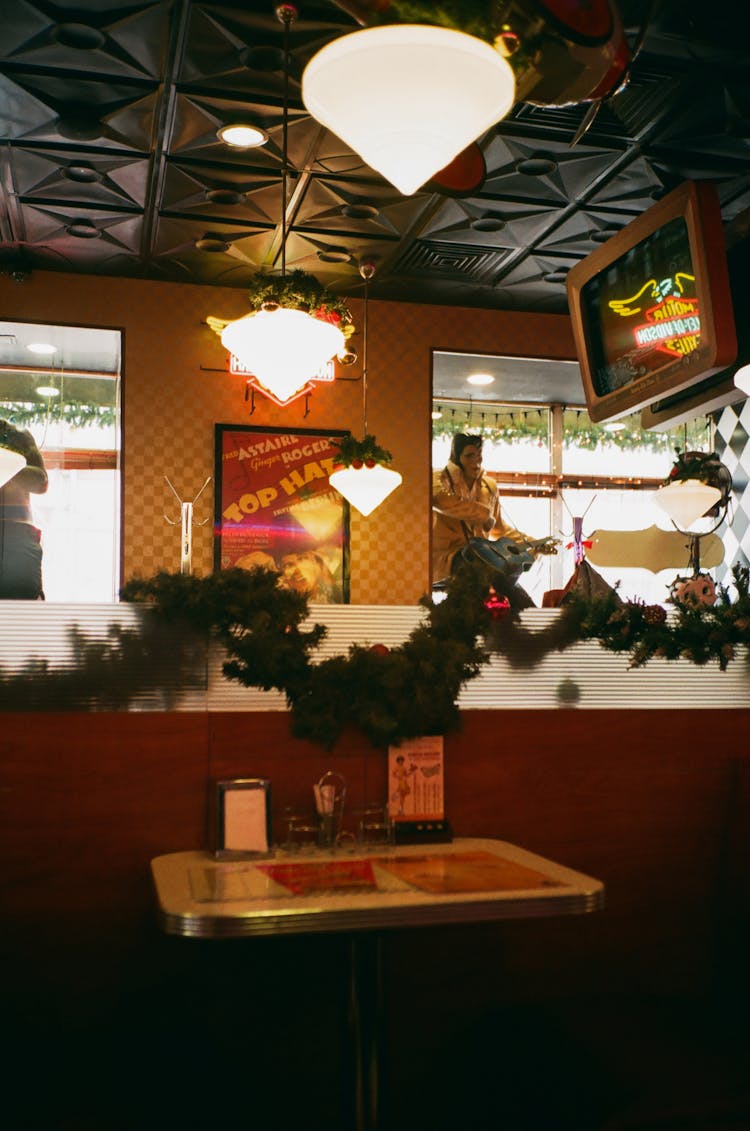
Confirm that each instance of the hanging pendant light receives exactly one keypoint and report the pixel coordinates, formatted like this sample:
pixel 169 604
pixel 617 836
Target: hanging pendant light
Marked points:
pixel 283 348
pixel 281 344
pixel 699 485
pixel 10 464
pixel 365 481
pixel 687 500
pixel 408 98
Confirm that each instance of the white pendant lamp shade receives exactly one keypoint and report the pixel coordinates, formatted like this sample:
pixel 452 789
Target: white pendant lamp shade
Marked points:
pixel 10 464
pixel 282 348
pixel 687 500
pixel 408 97
pixel 365 487
pixel 742 379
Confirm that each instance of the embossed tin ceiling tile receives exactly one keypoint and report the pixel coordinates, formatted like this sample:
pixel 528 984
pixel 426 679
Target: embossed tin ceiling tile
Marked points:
pixel 130 46
pixel 179 236
pixel 24 114
pixel 366 210
pixel 226 193
pixel 499 223
pixel 303 252
pixel 60 176
pixel 631 188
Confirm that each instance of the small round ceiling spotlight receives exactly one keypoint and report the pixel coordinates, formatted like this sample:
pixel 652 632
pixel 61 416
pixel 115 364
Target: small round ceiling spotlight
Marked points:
pixel 82 174
pixel 225 196
pixel 555 276
pixel 42 348
pixel 536 166
pixel 359 210
pixel 265 58
pixel 480 379
pixel 334 255
pixel 80 37
pixel 212 243
pixel 242 135
pixel 79 124
pixel 602 235
pixel 83 230
pixel 488 223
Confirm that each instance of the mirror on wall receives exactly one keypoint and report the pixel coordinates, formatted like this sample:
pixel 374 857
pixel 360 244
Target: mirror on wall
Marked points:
pixel 62 385
pixel 551 464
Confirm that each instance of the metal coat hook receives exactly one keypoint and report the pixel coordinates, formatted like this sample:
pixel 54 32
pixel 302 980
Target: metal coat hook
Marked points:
pixel 187 523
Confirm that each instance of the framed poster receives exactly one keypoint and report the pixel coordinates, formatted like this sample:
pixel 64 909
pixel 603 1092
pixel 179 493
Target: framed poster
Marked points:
pixel 275 508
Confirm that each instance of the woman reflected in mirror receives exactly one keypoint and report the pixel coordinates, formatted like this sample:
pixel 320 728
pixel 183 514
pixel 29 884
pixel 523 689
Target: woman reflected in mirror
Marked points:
pixel 20 539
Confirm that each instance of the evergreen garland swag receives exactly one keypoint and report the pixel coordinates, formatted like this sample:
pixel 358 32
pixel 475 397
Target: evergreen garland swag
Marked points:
pixel 411 690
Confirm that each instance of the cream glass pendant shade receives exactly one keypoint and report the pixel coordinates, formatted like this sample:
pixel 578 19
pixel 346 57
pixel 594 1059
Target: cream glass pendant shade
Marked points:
pixel 408 97
pixel 687 500
pixel 283 348
pixel 365 487
pixel 10 464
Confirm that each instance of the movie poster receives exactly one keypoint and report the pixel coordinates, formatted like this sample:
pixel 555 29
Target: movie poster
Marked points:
pixel 275 508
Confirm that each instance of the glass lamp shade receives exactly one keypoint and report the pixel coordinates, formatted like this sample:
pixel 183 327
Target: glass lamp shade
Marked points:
pixel 742 379
pixel 282 348
pixel 408 97
pixel 687 500
pixel 365 487
pixel 10 464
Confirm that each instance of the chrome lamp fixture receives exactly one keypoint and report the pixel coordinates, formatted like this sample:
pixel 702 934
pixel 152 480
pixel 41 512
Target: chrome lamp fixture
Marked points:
pixel 408 98
pixel 283 346
pixel 366 481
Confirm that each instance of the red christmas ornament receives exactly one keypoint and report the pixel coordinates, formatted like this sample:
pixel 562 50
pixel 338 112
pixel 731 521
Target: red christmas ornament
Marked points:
pixel 369 463
pixel 499 607
pixel 357 463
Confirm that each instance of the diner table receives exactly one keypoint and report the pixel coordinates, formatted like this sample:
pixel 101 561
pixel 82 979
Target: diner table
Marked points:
pixel 362 892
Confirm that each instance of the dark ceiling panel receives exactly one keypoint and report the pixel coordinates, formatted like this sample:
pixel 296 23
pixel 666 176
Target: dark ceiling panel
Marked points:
pixel 111 163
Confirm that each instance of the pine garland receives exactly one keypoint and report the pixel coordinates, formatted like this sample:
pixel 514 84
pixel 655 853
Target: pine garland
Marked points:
pixel 389 694
pixel 299 291
pixel 76 414
pixel 356 452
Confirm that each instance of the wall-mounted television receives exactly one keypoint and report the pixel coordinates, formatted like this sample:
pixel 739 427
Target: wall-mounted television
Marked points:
pixel 652 308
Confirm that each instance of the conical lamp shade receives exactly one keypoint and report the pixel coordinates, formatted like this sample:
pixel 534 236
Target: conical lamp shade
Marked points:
pixel 687 500
pixel 365 487
pixel 408 97
pixel 282 348
pixel 10 464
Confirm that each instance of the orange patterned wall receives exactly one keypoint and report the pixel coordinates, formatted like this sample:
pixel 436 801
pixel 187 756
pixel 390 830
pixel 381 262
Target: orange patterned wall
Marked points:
pixel 175 388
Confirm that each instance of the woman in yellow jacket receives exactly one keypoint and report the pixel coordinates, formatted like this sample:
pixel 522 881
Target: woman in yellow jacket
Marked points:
pixel 467 522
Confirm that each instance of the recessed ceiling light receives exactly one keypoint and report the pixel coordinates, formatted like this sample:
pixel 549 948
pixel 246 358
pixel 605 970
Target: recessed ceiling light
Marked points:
pixel 41 347
pixel 480 379
pixel 242 135
pixel 613 426
pixel 47 391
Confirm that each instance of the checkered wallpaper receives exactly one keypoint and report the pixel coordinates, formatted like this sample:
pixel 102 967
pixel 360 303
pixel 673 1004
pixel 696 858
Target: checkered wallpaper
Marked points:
pixel 733 448
pixel 176 388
